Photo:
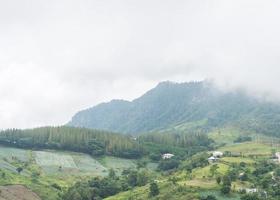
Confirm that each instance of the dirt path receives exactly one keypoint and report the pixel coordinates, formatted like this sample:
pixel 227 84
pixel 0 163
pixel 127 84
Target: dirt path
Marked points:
pixel 17 192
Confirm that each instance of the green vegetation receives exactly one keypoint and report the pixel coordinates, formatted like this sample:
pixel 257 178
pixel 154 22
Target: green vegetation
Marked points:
pixel 185 107
pixel 238 160
pixel 249 149
pixel 70 175
pixel 93 142
pixel 51 173
pixel 190 121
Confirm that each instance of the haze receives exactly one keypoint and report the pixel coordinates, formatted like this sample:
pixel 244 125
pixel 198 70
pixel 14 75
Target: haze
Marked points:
pixel 57 57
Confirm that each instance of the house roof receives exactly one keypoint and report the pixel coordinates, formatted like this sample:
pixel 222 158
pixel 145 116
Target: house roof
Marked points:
pixel 212 158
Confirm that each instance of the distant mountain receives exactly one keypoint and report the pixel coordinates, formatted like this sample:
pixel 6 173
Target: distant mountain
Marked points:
pixel 193 105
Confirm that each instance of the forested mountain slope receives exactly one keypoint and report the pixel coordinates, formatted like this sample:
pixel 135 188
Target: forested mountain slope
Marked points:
pixel 195 105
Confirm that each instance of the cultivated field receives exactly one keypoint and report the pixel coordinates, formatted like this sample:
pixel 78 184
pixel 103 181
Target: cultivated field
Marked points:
pixel 238 160
pixel 44 158
pixel 17 192
pixel 118 164
pixel 62 162
pixel 205 171
pixel 10 154
pixel 249 148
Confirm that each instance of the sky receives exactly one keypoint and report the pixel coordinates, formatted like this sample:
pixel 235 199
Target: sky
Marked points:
pixel 60 56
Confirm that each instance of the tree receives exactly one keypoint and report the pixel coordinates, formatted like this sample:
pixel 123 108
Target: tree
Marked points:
pixel 112 174
pixel 226 185
pixel 142 178
pixel 225 189
pixel 226 181
pixel 19 169
pixel 154 191
pixel 277 172
pixel 132 178
pixel 244 177
pixel 218 180
pixel 213 169
pixel 168 164
pixel 209 197
pixel 265 181
pixel 250 197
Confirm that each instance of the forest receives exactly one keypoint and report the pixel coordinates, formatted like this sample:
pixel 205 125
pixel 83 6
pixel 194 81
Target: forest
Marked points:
pixel 93 142
pixel 97 142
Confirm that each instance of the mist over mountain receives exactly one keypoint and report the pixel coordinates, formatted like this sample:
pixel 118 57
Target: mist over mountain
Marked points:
pixel 193 105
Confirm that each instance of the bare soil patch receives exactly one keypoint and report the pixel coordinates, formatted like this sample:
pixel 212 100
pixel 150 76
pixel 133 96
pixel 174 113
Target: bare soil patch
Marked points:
pixel 17 192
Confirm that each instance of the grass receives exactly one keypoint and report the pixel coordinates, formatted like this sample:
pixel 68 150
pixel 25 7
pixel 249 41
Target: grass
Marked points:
pixel 219 196
pixel 190 125
pixel 237 160
pixel 249 148
pixel 205 171
pixel 237 185
pixel 118 164
pixel 167 190
pixel 87 164
pixel 201 183
pixel 40 186
pixel 139 193
pixel 225 135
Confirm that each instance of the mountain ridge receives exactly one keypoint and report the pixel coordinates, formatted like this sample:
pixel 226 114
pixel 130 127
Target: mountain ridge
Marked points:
pixel 171 103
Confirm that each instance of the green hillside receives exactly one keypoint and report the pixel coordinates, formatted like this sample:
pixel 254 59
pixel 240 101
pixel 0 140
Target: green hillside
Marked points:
pixel 174 107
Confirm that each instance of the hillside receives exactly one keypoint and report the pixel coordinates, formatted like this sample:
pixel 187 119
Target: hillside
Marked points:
pixel 189 106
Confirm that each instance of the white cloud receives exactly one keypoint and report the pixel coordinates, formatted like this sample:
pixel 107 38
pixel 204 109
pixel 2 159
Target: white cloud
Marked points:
pixel 57 57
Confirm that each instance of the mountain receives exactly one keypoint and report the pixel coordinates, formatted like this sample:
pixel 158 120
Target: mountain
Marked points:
pixel 192 105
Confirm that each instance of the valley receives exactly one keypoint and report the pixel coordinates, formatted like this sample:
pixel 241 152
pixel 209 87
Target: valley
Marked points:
pixel 51 173
pixel 178 141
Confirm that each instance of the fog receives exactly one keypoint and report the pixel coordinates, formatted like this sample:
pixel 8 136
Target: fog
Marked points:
pixel 57 57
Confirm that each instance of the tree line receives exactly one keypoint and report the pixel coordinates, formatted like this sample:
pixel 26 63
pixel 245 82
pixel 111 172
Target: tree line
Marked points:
pixel 94 142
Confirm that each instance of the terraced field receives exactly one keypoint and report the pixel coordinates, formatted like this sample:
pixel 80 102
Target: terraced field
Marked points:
pixel 60 162
pixel 249 148
pixel 10 154
pixel 118 164
pixel 237 160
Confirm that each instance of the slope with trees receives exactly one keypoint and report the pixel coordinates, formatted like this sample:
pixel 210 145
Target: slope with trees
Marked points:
pixel 193 106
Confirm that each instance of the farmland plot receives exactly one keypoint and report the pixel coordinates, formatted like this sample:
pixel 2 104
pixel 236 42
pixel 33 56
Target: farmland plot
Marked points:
pixel 44 158
pixel 9 153
pixel 63 162
pixel 53 162
pixel 118 164
pixel 8 166
pixel 86 163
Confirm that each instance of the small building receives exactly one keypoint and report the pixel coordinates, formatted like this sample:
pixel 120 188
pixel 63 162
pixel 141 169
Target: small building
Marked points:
pixel 252 190
pixel 241 174
pixel 212 159
pixel 217 154
pixel 277 155
pixel 167 156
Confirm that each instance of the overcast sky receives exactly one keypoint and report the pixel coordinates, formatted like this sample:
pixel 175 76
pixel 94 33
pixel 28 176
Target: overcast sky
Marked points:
pixel 58 57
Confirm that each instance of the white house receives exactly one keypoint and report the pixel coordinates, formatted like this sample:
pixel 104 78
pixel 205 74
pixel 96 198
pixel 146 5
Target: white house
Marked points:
pixel 217 154
pixel 253 190
pixel 213 159
pixel 277 155
pixel 167 156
